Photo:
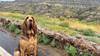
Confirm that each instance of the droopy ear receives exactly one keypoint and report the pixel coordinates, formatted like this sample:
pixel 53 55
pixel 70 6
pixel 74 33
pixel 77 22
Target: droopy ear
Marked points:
pixel 24 28
pixel 35 27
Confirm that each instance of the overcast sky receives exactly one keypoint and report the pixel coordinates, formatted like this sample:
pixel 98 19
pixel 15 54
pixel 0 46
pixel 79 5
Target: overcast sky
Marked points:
pixel 7 0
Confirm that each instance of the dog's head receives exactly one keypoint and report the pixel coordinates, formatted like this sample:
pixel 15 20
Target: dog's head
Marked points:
pixel 28 24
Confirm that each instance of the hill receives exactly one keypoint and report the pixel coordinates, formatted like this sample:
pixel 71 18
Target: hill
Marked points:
pixel 84 3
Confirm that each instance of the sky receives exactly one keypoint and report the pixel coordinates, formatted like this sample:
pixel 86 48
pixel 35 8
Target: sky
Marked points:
pixel 7 0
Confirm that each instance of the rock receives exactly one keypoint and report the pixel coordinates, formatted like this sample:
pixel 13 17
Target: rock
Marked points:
pixel 78 37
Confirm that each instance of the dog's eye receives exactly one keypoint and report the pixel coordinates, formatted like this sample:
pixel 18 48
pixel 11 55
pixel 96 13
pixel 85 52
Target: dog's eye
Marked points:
pixel 27 18
pixel 32 17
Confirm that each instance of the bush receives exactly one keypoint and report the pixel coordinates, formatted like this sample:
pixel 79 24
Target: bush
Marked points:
pixel 12 27
pixel 86 53
pixel 62 18
pixel 76 29
pixel 30 13
pixel 89 32
pixel 70 50
pixel 98 36
pixel 45 39
pixel 81 17
pixel 73 33
pixel 81 30
pixel 64 24
pixel 53 43
pixel 39 38
pixel 17 31
pixel 12 12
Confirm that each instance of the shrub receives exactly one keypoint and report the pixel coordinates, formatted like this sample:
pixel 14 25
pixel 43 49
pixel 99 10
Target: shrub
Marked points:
pixel 76 29
pixel 45 39
pixel 30 13
pixel 12 27
pixel 64 24
pixel 62 18
pixel 12 12
pixel 53 43
pixel 89 32
pixel 39 38
pixel 98 36
pixel 17 31
pixel 73 33
pixel 81 30
pixel 86 53
pixel 70 50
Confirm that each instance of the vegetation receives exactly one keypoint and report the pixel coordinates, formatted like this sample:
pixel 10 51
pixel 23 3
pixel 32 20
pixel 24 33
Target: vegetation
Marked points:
pixel 73 33
pixel 17 31
pixel 53 23
pixel 76 29
pixel 62 18
pixel 64 24
pixel 53 43
pixel 81 17
pixel 70 50
pixel 12 12
pixel 12 27
pixel 89 32
pixel 60 46
pixel 45 39
pixel 93 39
pixel 39 39
pixel 99 36
pixel 4 25
pixel 81 30
pixel 86 53
pixel 30 13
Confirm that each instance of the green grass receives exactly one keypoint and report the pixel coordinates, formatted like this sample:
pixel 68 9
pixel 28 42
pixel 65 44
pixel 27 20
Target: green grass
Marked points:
pixel 64 24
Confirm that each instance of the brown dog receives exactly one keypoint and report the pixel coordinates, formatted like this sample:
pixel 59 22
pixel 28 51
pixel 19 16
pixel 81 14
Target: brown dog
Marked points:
pixel 28 41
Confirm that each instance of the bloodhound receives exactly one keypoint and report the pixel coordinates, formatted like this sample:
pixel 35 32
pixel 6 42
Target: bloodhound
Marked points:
pixel 28 42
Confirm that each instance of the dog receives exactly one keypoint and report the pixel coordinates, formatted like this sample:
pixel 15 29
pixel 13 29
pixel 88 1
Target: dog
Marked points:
pixel 28 42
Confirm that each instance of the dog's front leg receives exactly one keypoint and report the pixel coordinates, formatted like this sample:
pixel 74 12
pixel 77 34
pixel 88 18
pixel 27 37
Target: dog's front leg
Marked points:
pixel 35 51
pixel 22 52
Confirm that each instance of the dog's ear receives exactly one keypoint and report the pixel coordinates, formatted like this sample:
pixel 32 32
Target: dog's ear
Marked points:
pixel 24 26
pixel 34 26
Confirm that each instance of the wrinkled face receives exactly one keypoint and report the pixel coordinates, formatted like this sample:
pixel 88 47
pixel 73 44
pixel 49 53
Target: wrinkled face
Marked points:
pixel 29 21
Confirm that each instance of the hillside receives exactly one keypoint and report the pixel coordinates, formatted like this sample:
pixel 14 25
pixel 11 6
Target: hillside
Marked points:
pixel 52 10
pixel 84 3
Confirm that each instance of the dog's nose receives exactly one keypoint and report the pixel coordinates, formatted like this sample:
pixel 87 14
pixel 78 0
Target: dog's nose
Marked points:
pixel 30 20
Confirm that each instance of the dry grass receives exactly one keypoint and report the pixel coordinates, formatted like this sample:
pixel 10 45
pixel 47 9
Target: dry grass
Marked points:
pixel 84 26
